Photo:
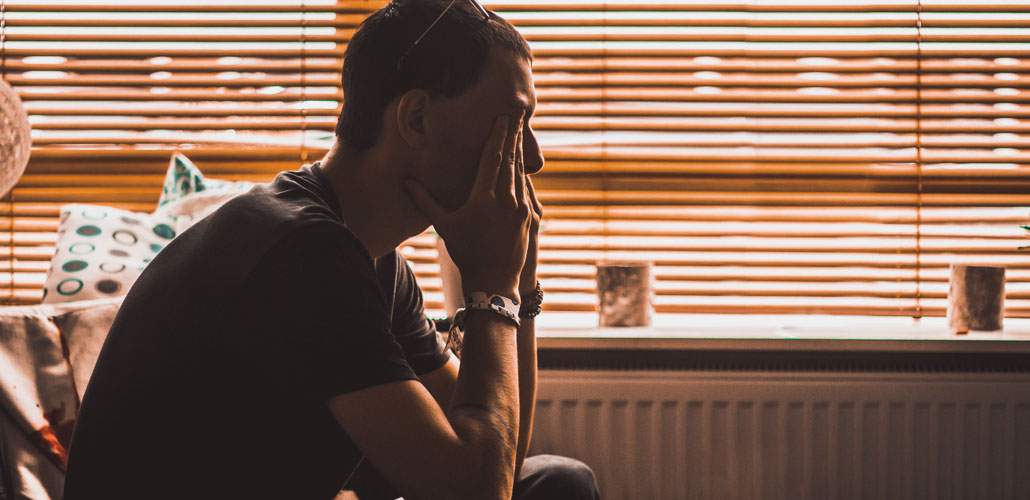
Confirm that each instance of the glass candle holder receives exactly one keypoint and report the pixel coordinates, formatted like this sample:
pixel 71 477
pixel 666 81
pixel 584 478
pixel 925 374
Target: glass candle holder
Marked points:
pixel 976 298
pixel 625 293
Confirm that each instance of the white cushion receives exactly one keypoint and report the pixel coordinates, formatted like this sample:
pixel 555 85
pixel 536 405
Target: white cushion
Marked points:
pixel 102 250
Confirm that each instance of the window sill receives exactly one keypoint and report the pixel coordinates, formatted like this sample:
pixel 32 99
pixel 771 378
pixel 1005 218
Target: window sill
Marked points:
pixel 708 332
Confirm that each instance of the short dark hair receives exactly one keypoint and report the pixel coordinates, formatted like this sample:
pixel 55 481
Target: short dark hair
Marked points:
pixel 447 62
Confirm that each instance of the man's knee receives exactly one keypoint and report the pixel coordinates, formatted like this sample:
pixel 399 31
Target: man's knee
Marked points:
pixel 544 477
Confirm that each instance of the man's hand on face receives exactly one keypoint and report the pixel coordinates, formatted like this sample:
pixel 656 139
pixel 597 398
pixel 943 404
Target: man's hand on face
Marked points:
pixel 489 235
pixel 527 280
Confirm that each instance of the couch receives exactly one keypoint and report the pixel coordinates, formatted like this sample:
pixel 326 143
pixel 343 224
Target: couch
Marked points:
pixel 47 353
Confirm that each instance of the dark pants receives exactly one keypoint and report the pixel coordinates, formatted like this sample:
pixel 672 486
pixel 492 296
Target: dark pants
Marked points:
pixel 543 477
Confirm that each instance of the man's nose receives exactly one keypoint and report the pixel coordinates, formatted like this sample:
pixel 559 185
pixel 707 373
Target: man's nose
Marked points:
pixel 532 157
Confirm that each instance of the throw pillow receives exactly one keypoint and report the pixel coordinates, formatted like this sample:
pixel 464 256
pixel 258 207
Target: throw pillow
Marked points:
pixel 183 178
pixel 102 250
pixel 189 210
pixel 187 196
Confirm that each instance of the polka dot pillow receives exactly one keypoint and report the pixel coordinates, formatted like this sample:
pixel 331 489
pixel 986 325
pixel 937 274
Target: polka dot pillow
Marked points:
pixel 102 250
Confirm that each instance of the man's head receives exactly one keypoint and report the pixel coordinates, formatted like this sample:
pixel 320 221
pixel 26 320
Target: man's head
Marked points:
pixel 434 102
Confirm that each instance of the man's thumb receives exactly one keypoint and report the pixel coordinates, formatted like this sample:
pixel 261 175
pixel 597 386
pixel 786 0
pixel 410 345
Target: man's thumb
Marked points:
pixel 423 200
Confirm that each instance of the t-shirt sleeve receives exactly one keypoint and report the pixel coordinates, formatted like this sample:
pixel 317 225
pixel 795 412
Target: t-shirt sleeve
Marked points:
pixel 424 349
pixel 320 323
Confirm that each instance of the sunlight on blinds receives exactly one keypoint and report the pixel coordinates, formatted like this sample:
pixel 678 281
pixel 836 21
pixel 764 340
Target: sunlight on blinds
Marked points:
pixel 768 156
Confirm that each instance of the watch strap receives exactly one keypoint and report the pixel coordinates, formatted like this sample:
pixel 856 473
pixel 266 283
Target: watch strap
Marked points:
pixel 483 301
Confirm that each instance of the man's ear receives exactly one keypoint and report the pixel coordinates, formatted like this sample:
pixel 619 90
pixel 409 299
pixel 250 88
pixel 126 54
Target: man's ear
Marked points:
pixel 411 117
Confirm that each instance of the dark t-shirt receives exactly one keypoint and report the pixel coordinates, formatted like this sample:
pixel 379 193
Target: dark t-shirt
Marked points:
pixel 213 380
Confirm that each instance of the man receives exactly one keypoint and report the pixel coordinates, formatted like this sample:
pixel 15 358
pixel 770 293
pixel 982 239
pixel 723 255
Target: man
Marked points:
pixel 276 343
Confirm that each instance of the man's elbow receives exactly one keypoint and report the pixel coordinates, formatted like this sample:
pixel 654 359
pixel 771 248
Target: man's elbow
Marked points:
pixel 487 475
pixel 487 467
pixel 483 467
pixel 491 473
pixel 491 478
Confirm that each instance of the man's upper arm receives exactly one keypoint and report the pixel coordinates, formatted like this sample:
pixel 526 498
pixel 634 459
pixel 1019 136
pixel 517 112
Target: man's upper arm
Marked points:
pixel 423 347
pixel 425 350
pixel 441 381
pixel 318 323
pixel 321 328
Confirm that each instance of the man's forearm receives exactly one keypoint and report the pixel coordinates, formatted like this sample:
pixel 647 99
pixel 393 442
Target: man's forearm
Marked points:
pixel 484 405
pixel 527 388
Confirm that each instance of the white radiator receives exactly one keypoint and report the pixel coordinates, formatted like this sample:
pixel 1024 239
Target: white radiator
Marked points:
pixel 776 435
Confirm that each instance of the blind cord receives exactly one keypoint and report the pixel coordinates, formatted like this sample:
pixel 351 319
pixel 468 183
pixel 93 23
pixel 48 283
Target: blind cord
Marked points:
pixel 10 195
pixel 606 202
pixel 303 83
pixel 919 160
pixel 3 38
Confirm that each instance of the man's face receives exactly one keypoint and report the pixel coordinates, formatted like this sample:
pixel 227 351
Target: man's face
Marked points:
pixel 461 126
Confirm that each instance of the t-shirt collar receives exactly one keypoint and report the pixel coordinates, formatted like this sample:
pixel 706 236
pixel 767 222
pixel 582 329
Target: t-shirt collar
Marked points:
pixel 326 188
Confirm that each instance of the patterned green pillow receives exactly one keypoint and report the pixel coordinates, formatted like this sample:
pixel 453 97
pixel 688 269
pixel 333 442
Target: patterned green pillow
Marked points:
pixel 102 250
pixel 187 196
pixel 183 178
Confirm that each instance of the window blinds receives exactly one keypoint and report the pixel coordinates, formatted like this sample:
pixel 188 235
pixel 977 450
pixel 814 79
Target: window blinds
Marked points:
pixel 768 156
pixel 113 87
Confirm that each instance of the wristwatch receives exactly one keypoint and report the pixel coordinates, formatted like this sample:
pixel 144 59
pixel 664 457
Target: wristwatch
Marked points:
pixel 482 301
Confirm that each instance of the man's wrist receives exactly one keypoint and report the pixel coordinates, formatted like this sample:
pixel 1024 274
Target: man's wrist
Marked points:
pixel 527 283
pixel 531 301
pixel 509 291
pixel 484 315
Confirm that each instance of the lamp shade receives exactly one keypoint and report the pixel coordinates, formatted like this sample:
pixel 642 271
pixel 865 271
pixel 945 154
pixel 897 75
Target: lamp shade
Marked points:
pixel 15 138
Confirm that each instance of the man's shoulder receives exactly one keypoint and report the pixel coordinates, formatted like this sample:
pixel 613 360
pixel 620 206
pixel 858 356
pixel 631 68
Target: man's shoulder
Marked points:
pixel 313 240
pixel 294 205
pixel 295 233
pixel 277 205
pixel 236 240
